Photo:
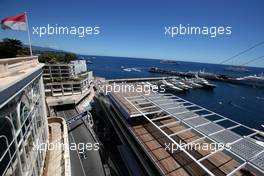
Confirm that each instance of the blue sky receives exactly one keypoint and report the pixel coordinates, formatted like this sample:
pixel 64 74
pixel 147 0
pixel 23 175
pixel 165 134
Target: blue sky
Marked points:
pixel 136 28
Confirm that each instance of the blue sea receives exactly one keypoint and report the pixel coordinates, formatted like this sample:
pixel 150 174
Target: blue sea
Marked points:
pixel 241 103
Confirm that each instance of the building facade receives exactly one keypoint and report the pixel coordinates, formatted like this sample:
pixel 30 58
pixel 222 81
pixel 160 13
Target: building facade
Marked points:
pixel 62 79
pixel 23 117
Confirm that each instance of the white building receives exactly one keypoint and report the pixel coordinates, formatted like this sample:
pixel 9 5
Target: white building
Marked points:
pixel 79 66
pixel 63 79
pixel 23 117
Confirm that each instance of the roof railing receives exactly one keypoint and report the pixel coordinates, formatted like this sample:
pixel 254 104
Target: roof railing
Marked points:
pixel 10 66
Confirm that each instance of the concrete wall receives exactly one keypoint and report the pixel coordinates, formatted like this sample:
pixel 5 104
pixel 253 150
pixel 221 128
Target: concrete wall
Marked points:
pixel 79 66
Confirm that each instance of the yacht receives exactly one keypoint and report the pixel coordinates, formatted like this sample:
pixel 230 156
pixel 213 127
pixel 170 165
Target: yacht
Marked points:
pixel 182 85
pixel 171 86
pixel 237 69
pixel 205 74
pixel 127 69
pixel 136 69
pixel 252 80
pixel 204 83
pixel 169 62
pixel 191 83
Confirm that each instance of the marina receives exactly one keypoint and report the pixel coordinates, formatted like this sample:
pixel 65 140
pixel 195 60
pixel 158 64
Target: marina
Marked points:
pixel 132 88
pixel 251 80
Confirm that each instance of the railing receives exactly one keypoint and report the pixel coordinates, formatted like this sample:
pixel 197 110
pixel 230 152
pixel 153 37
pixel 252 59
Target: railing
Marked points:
pixel 66 167
pixel 11 66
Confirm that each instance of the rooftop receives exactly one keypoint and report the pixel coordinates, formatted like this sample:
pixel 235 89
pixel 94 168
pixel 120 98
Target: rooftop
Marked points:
pixel 12 70
pixel 161 120
pixel 75 80
pixel 67 99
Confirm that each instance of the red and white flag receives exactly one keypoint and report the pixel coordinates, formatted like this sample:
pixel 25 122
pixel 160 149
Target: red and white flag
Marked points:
pixel 17 22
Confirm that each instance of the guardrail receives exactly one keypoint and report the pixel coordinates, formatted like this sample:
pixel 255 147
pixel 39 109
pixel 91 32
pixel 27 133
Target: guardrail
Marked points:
pixel 66 167
pixel 11 66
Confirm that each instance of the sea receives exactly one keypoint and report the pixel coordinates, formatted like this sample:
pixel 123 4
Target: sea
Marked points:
pixel 244 104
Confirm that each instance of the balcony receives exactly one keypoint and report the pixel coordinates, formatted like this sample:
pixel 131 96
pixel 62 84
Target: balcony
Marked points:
pixel 11 66
pixel 18 71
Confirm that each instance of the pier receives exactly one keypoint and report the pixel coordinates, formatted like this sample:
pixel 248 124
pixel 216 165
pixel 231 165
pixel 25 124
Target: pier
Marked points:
pixel 255 81
pixel 140 79
pixel 206 75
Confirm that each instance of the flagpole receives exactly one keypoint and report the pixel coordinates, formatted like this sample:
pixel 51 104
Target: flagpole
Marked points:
pixel 29 39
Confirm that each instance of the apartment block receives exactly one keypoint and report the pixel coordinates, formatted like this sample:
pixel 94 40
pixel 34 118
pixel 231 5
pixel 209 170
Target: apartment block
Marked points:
pixel 62 79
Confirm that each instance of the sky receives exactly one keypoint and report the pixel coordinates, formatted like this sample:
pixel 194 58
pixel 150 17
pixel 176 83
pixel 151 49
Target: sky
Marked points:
pixel 135 28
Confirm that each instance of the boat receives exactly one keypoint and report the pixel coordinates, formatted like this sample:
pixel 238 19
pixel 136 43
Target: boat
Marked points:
pixel 178 83
pixel 207 75
pixel 204 83
pixel 185 85
pixel 153 86
pixel 191 83
pixel 171 86
pixel 169 62
pixel 127 69
pixel 181 85
pixel 237 69
pixel 191 73
pixel 135 69
pixel 252 80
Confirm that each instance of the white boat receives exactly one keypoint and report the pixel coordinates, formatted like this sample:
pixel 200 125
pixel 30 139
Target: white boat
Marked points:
pixel 176 88
pixel 252 80
pixel 204 74
pixel 237 69
pixel 194 84
pixel 185 85
pixel 171 86
pixel 182 86
pixel 204 82
pixel 135 69
pixel 169 62
pixel 148 83
pixel 127 69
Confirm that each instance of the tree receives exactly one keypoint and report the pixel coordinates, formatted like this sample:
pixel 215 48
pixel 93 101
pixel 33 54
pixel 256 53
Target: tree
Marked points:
pixel 50 58
pixel 57 57
pixel 69 57
pixel 11 48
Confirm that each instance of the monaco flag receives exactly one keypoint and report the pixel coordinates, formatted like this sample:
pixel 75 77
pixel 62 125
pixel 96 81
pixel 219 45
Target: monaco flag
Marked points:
pixel 17 22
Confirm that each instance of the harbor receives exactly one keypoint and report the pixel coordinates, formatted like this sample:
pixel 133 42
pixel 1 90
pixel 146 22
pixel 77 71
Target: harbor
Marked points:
pixel 174 83
pixel 132 88
pixel 145 131
pixel 251 80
